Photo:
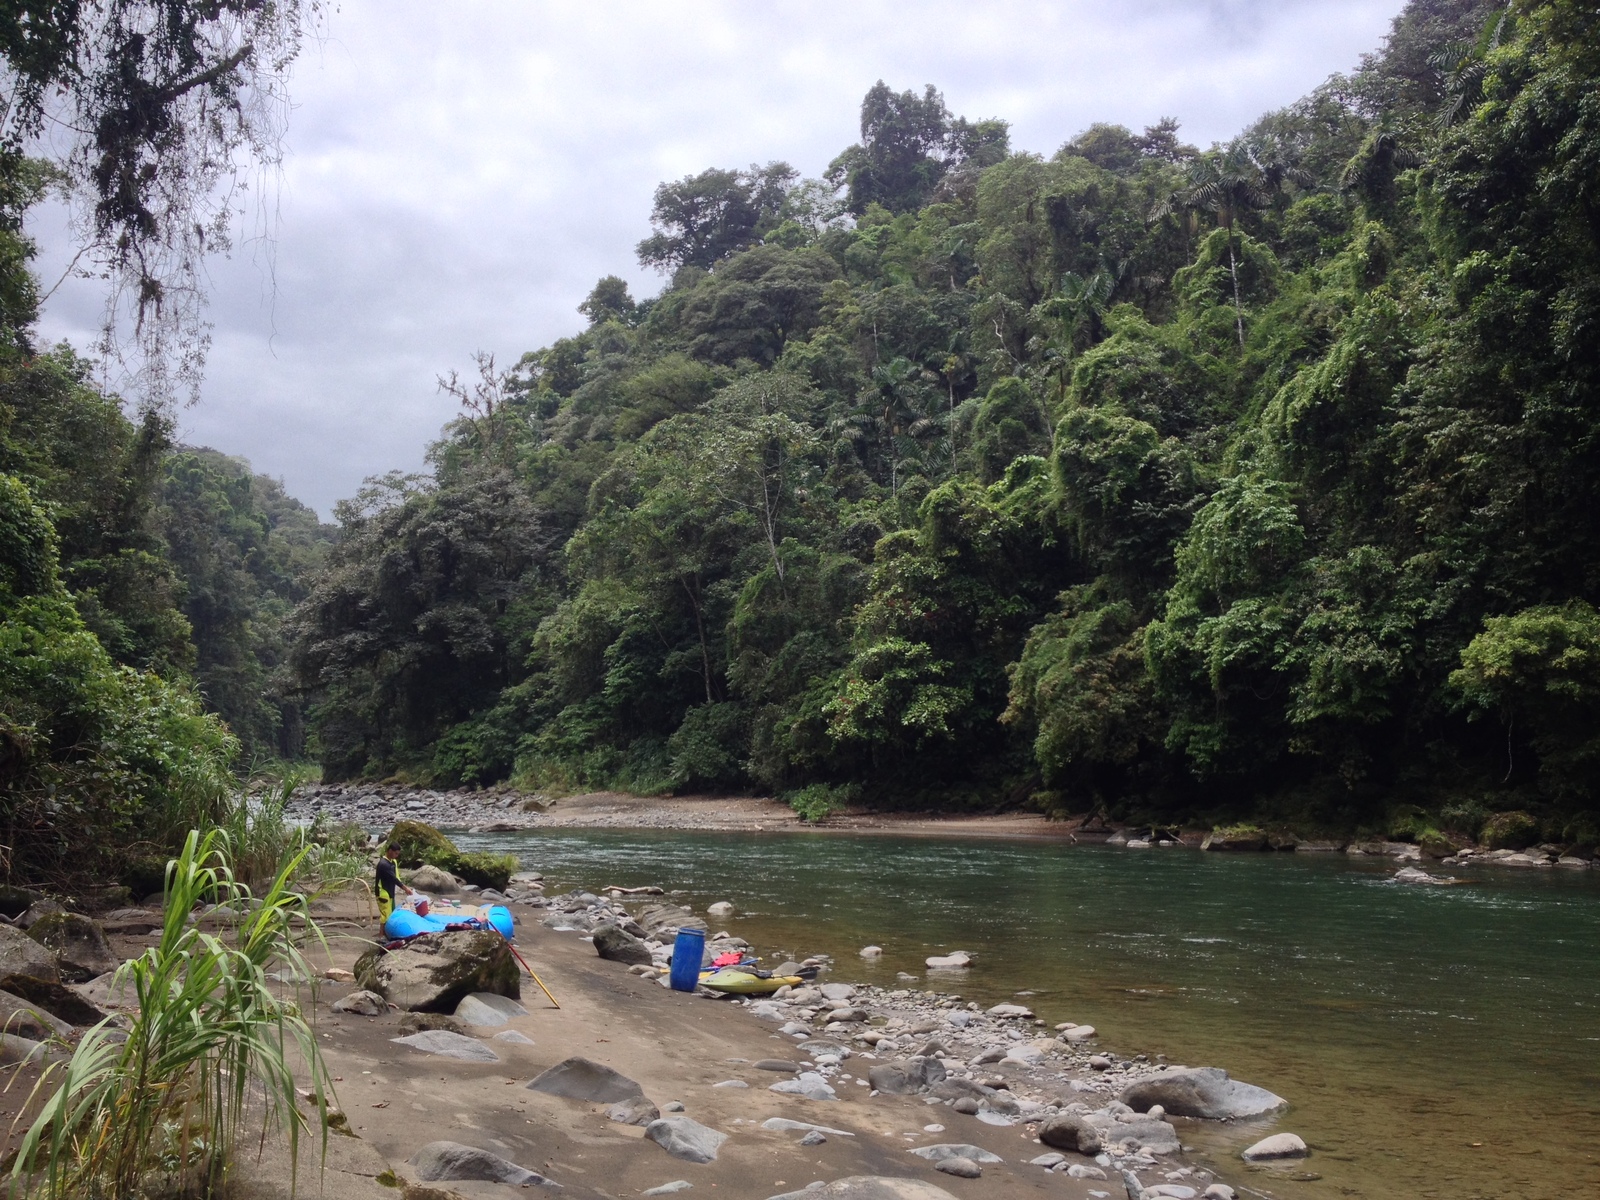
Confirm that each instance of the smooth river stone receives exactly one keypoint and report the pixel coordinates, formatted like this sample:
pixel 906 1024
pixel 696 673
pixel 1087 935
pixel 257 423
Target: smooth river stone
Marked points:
pixel 448 1045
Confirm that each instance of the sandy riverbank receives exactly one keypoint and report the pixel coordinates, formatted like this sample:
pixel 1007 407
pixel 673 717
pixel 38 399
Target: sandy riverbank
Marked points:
pixel 680 1048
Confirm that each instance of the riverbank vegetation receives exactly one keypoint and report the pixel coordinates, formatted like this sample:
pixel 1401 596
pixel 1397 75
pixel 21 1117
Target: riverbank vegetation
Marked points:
pixel 143 585
pixel 1132 476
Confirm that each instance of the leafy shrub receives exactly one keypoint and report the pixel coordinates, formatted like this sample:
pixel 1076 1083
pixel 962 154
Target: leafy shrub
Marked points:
pixel 161 1111
pixel 417 842
pixel 710 748
pixel 1464 816
pixel 1510 831
pixel 479 867
pixel 817 802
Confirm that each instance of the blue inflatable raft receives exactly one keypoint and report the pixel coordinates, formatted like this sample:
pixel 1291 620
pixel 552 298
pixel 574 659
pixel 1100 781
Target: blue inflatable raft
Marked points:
pixel 403 923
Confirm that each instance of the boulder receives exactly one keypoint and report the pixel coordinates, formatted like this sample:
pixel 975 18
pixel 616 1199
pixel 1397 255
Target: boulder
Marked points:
pixel 580 1079
pixel 38 910
pixel 15 1049
pixel 1238 837
pixel 1279 1145
pixel 448 1045
pixel 1069 1131
pixel 1152 1134
pixel 615 944
pixel 79 944
pixel 486 1008
pixel 54 998
pixel 722 908
pixel 1415 875
pixel 961 1168
pixel 635 1110
pixel 906 1077
pixel 362 1003
pixel 838 992
pixel 14 901
pixel 870 1187
pixel 434 880
pixel 438 1162
pixel 434 973
pixel 937 1154
pixel 418 841
pixel 24 1020
pixel 21 955
pixel 1204 1092
pixel 685 1138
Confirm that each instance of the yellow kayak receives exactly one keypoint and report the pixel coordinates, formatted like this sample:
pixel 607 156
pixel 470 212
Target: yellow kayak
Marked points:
pixel 743 983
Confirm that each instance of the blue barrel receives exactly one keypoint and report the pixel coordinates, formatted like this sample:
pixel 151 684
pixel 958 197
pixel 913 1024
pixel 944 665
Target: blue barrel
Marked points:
pixel 687 951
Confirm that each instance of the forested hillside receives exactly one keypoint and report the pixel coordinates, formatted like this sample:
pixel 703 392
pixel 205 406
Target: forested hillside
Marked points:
pixel 143 586
pixel 1253 479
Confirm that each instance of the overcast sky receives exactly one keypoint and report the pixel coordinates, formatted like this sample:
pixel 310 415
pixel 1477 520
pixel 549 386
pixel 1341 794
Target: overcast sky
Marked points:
pixel 458 175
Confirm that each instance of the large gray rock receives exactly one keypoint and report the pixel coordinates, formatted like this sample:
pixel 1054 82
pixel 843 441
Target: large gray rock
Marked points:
pixel 906 1077
pixel 617 945
pixel 448 1045
pixel 54 998
pixel 434 880
pixel 580 1079
pixel 1152 1134
pixel 1068 1131
pixel 1204 1092
pixel 80 946
pixel 870 1187
pixel 21 955
pixel 486 1008
pixel 439 1162
pixel 635 1110
pixel 937 1154
pixel 687 1139
pixel 434 973
pixel 25 1020
pixel 38 910
pixel 15 1050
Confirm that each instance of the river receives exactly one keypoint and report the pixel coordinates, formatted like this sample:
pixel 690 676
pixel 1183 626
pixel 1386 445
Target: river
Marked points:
pixel 1432 1041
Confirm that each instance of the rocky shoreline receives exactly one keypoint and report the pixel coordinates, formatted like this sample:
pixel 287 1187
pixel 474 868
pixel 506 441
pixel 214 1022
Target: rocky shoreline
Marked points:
pixel 504 810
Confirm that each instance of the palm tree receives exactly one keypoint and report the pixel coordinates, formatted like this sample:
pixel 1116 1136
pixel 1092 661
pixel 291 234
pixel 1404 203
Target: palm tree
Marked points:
pixel 1075 310
pixel 1240 179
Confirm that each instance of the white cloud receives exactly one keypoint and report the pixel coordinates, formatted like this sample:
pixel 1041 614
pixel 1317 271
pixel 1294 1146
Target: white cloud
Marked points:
pixel 458 176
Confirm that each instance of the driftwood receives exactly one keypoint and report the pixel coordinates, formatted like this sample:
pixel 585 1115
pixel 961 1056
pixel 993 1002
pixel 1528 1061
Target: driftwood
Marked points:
pixel 639 891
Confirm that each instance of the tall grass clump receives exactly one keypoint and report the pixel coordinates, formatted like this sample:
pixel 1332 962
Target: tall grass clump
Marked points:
pixel 209 1060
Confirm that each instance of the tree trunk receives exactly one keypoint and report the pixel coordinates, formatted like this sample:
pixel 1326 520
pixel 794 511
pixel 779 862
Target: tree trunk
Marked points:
pixel 700 628
pixel 1238 308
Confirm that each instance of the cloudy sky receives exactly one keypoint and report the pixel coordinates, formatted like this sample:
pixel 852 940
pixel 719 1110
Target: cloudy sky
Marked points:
pixel 458 176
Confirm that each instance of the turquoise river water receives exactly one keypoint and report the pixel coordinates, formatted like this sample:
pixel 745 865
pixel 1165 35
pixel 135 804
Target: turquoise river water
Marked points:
pixel 1432 1041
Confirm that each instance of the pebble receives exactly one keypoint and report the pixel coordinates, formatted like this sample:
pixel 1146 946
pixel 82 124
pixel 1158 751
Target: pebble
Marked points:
pixel 814 1138
pixel 731 1083
pixel 667 1189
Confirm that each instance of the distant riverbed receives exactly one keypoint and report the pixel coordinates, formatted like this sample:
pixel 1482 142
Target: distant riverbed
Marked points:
pixel 1433 1041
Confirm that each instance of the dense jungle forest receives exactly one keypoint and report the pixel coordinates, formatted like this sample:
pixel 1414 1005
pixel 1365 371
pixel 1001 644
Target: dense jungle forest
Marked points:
pixel 1174 482
pixel 1253 481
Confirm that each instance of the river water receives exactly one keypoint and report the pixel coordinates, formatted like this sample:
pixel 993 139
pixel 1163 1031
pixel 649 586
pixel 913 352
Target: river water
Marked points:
pixel 1432 1041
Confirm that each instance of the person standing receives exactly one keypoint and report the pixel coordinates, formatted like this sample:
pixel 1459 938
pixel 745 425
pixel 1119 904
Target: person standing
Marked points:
pixel 389 886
